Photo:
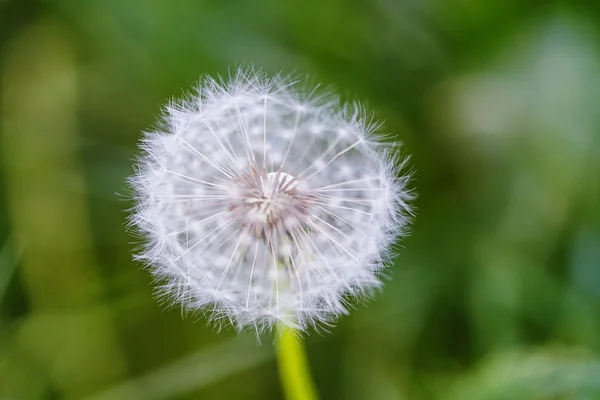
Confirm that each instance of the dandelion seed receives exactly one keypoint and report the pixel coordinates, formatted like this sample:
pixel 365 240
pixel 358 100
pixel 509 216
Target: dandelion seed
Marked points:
pixel 260 205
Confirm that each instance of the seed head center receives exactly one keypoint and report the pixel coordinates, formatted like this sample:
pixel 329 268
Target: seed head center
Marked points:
pixel 269 204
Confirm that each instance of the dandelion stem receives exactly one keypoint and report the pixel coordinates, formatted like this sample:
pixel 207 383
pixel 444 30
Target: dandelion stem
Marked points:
pixel 294 372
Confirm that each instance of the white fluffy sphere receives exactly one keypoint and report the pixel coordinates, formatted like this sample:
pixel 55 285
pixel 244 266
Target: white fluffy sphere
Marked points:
pixel 261 205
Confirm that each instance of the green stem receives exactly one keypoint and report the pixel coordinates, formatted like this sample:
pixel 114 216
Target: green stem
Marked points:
pixel 294 372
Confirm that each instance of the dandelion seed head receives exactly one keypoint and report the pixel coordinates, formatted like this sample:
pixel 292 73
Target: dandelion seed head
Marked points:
pixel 261 205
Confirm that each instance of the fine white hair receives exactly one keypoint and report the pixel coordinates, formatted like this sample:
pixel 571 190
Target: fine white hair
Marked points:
pixel 261 205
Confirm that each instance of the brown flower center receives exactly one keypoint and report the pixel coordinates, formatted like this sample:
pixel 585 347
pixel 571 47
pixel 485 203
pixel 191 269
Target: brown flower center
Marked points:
pixel 269 205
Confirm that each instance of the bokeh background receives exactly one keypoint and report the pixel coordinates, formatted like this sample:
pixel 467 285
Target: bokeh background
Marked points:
pixel 496 295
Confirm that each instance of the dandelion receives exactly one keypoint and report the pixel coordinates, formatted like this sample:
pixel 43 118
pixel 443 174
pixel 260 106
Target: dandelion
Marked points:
pixel 263 206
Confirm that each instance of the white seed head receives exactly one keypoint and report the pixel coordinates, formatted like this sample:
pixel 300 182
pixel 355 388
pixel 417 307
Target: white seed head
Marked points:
pixel 260 205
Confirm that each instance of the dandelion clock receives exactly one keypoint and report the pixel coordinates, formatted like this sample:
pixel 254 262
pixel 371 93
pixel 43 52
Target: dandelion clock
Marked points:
pixel 264 206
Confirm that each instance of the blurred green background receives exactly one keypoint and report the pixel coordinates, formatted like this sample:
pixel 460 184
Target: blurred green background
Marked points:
pixel 496 295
